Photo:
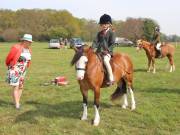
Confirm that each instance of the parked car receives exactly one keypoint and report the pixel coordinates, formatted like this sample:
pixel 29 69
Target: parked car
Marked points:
pixel 54 43
pixel 123 41
pixel 76 42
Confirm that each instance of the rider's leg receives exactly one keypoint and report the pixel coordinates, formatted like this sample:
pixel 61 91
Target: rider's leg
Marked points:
pixel 107 58
pixel 158 47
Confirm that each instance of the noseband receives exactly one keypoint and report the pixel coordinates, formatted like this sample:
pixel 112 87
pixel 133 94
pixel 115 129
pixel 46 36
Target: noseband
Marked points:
pixel 80 69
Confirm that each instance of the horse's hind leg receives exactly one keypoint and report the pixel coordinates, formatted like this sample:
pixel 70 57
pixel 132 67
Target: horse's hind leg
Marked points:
pixel 171 61
pixel 125 102
pixel 84 94
pixel 133 104
pixel 130 90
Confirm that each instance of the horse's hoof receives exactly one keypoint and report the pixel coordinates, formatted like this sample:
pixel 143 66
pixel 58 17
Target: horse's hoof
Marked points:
pixel 123 106
pixel 83 118
pixel 95 122
pixel 133 107
pixel 148 71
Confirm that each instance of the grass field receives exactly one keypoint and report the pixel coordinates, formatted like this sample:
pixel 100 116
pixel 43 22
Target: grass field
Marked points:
pixel 56 110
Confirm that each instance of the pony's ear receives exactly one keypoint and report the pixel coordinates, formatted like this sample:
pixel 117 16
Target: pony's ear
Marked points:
pixel 138 41
pixel 75 49
pixel 86 47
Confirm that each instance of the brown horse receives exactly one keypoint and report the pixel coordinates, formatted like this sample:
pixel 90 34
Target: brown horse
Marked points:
pixel 166 50
pixel 91 75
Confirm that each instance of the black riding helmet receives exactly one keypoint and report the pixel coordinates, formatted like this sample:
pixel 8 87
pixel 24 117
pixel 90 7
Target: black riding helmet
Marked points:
pixel 105 19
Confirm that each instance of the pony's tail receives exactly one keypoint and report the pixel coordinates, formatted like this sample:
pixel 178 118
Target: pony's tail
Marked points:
pixel 120 90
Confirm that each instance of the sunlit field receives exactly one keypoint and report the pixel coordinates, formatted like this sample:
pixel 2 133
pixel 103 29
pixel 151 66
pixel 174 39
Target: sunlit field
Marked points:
pixel 55 110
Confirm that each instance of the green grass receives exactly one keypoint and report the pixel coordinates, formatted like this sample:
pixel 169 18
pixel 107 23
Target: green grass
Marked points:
pixel 56 110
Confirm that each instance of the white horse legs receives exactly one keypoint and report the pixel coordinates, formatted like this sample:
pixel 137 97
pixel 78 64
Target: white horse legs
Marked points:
pixel 84 115
pixel 133 104
pixel 125 102
pixel 97 117
pixel 172 68
pixel 151 64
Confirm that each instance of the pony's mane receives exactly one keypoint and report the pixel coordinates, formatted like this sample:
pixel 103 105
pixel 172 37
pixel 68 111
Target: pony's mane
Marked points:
pixel 78 54
pixel 76 57
pixel 149 43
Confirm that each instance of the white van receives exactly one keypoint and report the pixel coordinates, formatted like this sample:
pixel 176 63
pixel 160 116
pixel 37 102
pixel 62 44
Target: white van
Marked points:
pixel 54 43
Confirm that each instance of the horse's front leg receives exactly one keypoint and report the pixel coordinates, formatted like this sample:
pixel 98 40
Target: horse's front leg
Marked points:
pixel 153 65
pixel 85 95
pixel 149 65
pixel 96 107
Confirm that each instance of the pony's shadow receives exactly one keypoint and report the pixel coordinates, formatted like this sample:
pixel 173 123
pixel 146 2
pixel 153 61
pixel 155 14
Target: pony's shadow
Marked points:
pixel 140 70
pixel 162 90
pixel 5 103
pixel 69 109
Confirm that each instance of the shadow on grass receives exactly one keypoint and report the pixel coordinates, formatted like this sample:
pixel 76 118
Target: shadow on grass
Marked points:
pixel 140 70
pixel 145 70
pixel 70 109
pixel 5 103
pixel 162 90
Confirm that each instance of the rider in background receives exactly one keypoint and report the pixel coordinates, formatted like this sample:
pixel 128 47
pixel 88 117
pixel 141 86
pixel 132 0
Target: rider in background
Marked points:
pixel 156 40
pixel 104 43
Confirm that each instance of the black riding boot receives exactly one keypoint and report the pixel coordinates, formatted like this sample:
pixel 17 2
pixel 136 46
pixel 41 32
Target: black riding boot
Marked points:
pixel 159 53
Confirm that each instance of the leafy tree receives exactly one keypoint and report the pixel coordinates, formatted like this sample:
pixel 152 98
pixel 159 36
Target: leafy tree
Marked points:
pixel 148 28
pixel 57 32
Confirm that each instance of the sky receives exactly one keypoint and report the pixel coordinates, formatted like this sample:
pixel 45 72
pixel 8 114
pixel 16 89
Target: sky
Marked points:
pixel 165 12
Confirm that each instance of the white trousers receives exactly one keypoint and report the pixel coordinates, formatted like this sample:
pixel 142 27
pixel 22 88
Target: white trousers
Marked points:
pixel 158 46
pixel 106 59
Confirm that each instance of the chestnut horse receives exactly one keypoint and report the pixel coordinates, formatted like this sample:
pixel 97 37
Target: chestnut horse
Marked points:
pixel 90 75
pixel 167 50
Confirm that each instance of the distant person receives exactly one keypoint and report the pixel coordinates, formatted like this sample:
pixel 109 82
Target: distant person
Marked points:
pixel 65 41
pixel 156 40
pixel 104 43
pixel 17 61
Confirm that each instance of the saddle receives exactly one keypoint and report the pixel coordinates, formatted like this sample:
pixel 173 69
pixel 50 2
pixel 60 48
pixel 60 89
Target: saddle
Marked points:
pixel 158 53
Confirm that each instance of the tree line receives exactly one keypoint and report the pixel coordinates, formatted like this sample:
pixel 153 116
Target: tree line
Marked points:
pixel 47 24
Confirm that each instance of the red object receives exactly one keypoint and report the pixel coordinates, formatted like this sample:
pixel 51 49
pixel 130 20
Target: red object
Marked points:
pixel 14 55
pixel 61 80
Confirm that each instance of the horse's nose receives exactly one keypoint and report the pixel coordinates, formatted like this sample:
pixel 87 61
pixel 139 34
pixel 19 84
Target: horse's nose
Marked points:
pixel 80 78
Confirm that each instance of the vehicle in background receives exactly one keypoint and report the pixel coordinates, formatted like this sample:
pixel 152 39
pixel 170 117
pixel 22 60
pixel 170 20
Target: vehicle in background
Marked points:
pixel 123 42
pixel 76 42
pixel 54 43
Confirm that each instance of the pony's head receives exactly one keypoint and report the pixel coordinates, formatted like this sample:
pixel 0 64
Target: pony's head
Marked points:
pixel 139 44
pixel 80 60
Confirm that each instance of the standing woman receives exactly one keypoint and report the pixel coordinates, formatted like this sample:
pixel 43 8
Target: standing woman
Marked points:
pixel 17 61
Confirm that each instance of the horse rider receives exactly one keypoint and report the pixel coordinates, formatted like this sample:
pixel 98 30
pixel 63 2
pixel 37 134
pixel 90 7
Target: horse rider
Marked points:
pixel 104 43
pixel 156 40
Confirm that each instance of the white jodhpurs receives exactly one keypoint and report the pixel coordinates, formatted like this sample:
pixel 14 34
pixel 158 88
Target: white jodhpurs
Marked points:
pixel 106 59
pixel 158 46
